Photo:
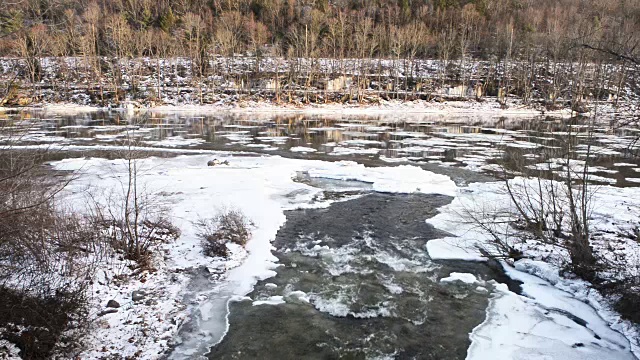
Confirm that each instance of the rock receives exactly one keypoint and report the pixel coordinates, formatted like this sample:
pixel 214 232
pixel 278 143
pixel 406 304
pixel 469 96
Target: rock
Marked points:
pixel 113 304
pixel 138 295
pixel 107 311
pixel 215 162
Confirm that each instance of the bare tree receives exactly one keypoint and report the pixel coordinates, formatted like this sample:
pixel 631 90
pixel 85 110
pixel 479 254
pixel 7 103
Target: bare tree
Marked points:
pixel 137 223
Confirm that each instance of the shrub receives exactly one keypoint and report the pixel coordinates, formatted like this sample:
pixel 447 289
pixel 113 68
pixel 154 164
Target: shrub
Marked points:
pixel 45 270
pixel 45 261
pixel 132 217
pixel 138 243
pixel 43 325
pixel 225 227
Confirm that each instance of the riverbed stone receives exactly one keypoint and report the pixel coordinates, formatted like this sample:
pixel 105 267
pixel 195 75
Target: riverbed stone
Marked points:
pixel 138 295
pixel 107 312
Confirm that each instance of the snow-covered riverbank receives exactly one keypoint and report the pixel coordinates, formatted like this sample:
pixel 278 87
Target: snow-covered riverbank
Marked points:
pixel 488 107
pixel 546 292
pixel 264 187
pixel 261 187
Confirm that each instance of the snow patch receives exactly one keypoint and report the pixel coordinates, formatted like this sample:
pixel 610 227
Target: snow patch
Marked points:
pixel 401 179
pixel 463 277
pixel 273 300
pixel 302 149
pixel 519 327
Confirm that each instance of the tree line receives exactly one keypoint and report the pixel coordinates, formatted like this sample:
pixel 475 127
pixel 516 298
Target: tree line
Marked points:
pixel 444 29
pixel 545 50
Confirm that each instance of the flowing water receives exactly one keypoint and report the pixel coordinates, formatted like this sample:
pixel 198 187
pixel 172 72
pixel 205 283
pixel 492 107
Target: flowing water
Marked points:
pixel 355 281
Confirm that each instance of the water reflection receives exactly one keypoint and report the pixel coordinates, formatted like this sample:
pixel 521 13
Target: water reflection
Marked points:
pixel 473 142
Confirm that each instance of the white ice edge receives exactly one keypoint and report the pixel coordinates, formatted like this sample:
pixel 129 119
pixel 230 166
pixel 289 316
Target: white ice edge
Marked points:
pixel 261 187
pixel 536 325
pixel 544 290
pixel 461 277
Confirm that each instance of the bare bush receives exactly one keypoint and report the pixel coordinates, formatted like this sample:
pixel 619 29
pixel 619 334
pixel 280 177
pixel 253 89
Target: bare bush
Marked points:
pixel 551 202
pixel 225 227
pixel 49 255
pixel 534 213
pixel 131 216
pixel 41 326
pixel 45 269
pixel 625 291
pixel 496 224
pixel 141 243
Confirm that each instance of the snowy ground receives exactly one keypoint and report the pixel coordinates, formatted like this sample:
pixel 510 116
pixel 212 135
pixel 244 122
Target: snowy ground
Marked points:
pixel 171 81
pixel 490 107
pixel 261 187
pixel 536 325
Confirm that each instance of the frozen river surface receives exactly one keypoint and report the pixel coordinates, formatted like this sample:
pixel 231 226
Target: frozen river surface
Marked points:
pixel 476 143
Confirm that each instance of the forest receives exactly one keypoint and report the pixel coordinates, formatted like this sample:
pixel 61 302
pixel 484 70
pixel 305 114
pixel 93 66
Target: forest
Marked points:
pixel 481 29
pixel 550 50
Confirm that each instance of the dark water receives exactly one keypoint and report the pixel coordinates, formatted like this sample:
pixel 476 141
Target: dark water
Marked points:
pixel 357 283
pixel 476 143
